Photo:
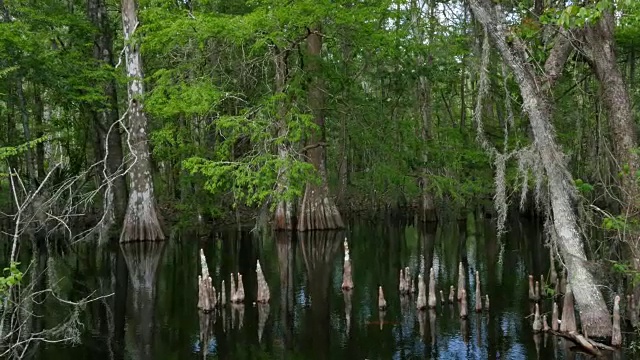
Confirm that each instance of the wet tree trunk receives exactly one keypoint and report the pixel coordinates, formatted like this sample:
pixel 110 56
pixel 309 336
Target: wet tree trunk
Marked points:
pixel 285 210
pixel 141 220
pixel 593 310
pixel 600 51
pixel 318 211
pixel 106 120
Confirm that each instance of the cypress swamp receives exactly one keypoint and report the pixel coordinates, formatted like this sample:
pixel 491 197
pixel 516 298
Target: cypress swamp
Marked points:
pixel 269 179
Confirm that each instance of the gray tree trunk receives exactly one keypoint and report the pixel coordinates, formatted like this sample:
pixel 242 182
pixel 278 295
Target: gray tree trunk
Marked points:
pixel 141 220
pixel 106 119
pixel 600 50
pixel 536 97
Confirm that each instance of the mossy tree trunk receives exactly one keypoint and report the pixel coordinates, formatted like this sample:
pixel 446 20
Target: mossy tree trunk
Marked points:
pixel 141 220
pixel 535 92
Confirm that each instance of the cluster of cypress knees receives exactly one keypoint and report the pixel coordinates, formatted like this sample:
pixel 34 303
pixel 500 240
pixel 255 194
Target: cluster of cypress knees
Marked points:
pixel 208 298
pixel 566 327
pixel 407 286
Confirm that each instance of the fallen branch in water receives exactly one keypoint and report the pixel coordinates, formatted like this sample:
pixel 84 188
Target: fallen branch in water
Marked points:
pixel 590 346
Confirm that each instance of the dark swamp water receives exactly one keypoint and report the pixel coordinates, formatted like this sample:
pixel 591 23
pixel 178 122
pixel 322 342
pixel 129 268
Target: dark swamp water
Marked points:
pixel 153 314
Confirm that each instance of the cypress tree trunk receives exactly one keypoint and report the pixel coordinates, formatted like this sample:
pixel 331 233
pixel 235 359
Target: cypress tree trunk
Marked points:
pixel 536 102
pixel 285 211
pixel 141 220
pixel 318 211
pixel 424 104
pixel 600 51
pixel 106 119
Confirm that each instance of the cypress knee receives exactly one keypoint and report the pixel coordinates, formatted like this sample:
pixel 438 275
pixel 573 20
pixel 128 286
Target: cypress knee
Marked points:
pixel 408 281
pixel 563 282
pixel 347 277
pixel 382 303
pixel 616 336
pixel 537 323
pixel 206 291
pixel 545 325
pixel 532 291
pixel 432 289
pixel 223 297
pixel 461 281
pixel 568 323
pixel 240 291
pixel 421 302
pixel 233 292
pixel 263 288
pixel 463 305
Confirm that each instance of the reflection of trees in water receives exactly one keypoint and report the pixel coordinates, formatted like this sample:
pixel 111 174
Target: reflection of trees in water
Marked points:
pixel 142 260
pixel 263 315
pixel 112 313
pixel 207 321
pixel 286 261
pixel 319 250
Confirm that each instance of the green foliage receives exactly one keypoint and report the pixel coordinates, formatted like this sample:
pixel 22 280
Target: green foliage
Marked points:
pixel 549 291
pixel 7 151
pixel 11 276
pixel 626 270
pixel 583 187
pixel 616 223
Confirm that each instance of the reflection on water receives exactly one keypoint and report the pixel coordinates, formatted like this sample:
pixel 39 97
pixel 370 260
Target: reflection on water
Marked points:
pixel 153 313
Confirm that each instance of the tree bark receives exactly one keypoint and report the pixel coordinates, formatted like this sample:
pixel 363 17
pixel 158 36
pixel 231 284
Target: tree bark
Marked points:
pixel 22 105
pixel 536 102
pixel 141 220
pixel 425 104
pixel 39 117
pixel 600 50
pixel 318 211
pixel 106 119
pixel 285 211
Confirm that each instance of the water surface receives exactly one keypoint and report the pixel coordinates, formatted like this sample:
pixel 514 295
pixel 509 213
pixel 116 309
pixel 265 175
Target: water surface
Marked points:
pixel 153 315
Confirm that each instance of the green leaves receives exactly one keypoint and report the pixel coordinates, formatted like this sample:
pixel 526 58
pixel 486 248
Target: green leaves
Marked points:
pixel 579 16
pixel 583 187
pixel 11 276
pixel 8 151
pixel 253 180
